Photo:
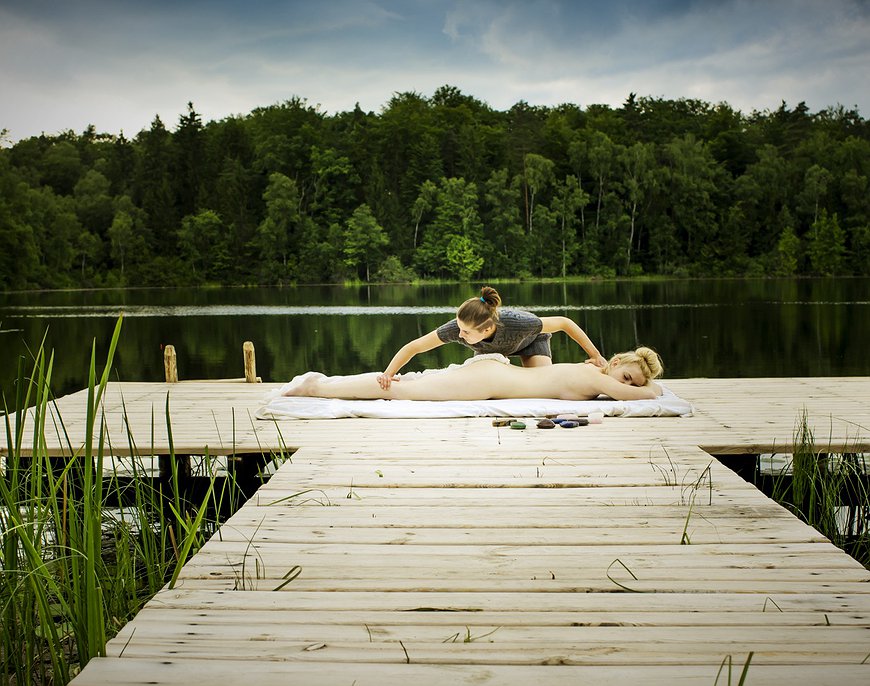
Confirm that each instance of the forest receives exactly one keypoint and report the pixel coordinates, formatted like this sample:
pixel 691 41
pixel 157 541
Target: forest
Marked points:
pixel 440 187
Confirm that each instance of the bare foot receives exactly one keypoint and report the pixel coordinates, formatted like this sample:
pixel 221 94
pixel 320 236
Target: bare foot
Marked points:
pixel 303 385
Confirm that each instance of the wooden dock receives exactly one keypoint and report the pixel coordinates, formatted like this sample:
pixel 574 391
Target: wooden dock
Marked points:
pixel 452 552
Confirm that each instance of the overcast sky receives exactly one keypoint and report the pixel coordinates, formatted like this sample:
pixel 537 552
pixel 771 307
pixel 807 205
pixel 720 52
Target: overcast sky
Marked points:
pixel 65 64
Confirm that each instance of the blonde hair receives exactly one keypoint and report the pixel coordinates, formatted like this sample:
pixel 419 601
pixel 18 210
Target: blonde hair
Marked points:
pixel 647 359
pixel 479 312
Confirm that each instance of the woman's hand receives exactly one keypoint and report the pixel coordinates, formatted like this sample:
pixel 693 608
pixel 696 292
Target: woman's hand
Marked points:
pixel 598 361
pixel 384 381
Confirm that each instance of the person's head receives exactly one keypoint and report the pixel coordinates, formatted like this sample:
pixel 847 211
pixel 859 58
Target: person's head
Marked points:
pixel 477 317
pixel 635 368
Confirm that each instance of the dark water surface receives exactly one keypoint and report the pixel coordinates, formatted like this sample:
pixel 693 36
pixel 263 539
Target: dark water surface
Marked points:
pixel 713 328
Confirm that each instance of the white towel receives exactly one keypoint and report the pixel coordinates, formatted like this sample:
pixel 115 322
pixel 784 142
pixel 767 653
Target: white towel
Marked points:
pixel 278 406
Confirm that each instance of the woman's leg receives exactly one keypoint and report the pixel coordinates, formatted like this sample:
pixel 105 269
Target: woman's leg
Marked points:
pixel 471 382
pixel 353 387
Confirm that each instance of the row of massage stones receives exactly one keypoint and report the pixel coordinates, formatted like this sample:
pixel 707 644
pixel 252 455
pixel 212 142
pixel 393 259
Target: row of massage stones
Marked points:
pixel 566 421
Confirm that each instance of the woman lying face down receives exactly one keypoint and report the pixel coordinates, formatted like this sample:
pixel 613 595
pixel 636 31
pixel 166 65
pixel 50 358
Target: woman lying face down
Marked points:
pixel 627 376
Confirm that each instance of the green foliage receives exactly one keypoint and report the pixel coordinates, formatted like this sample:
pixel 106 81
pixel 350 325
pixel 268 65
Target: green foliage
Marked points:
pixel 569 197
pixel 454 215
pixel 363 239
pixel 204 243
pixel 462 258
pixel 391 270
pixel 787 252
pixel 672 187
pixel 61 167
pixel 537 176
pixel 827 245
pixel 275 234
pixel 93 202
pixel 859 255
pixel 18 259
pixel 121 235
pixel 504 237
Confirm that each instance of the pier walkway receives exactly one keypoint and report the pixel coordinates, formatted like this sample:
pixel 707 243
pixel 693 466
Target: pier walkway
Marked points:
pixel 449 551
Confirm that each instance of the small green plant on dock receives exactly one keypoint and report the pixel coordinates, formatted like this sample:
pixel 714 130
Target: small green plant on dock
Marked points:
pixel 689 489
pixel 618 583
pixel 829 491
pixel 729 662
pixel 468 637
pixel 75 566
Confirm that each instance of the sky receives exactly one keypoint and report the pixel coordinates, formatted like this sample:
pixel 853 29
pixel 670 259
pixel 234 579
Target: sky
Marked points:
pixel 116 64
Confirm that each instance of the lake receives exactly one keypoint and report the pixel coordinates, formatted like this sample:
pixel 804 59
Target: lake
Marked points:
pixel 701 328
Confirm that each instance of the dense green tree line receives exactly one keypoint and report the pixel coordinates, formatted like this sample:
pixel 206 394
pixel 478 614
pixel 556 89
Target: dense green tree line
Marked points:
pixel 441 186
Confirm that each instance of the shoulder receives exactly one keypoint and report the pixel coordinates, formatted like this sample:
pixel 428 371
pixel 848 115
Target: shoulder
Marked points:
pixel 519 319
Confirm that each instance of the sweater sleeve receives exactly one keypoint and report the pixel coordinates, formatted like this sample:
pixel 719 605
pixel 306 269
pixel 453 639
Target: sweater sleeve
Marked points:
pixel 448 332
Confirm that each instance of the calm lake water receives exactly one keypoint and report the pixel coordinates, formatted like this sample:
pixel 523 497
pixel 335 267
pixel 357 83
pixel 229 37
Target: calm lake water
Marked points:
pixel 714 328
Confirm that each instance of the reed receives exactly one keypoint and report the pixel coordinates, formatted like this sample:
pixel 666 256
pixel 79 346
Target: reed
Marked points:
pixel 76 568
pixel 829 491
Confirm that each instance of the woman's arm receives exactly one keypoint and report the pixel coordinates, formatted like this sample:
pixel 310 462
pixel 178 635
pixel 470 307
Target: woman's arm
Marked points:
pixel 404 355
pixel 569 326
pixel 620 391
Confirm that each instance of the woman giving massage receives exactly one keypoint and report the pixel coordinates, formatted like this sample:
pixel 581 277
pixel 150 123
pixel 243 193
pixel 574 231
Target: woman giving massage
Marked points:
pixel 627 376
pixel 482 325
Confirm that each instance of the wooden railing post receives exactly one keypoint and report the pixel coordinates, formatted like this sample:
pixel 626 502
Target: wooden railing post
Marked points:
pixel 250 363
pixel 170 365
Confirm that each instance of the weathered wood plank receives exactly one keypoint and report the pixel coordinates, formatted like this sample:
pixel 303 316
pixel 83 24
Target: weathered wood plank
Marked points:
pixel 225 672
pixel 168 621
pixel 430 604
pixel 484 652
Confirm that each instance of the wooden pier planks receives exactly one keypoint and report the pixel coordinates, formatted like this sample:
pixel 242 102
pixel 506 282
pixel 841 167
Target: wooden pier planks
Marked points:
pixel 452 552
pixel 495 569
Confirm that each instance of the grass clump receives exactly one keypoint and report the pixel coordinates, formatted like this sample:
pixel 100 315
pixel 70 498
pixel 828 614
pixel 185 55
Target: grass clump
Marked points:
pixel 76 566
pixel 829 491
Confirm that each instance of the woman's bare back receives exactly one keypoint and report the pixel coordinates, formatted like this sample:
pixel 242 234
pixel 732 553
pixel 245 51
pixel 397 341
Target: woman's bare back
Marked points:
pixel 490 379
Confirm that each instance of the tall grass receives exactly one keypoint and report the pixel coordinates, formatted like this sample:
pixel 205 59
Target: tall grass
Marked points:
pixel 829 491
pixel 75 569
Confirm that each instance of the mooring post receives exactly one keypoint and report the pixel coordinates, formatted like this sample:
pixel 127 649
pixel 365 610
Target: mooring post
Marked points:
pixel 250 363
pixel 170 365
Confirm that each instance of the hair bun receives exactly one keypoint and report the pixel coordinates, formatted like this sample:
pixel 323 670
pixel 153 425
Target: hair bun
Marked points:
pixel 490 296
pixel 652 360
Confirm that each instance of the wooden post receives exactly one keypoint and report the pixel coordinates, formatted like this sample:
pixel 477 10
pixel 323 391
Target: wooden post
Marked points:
pixel 170 366
pixel 250 363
